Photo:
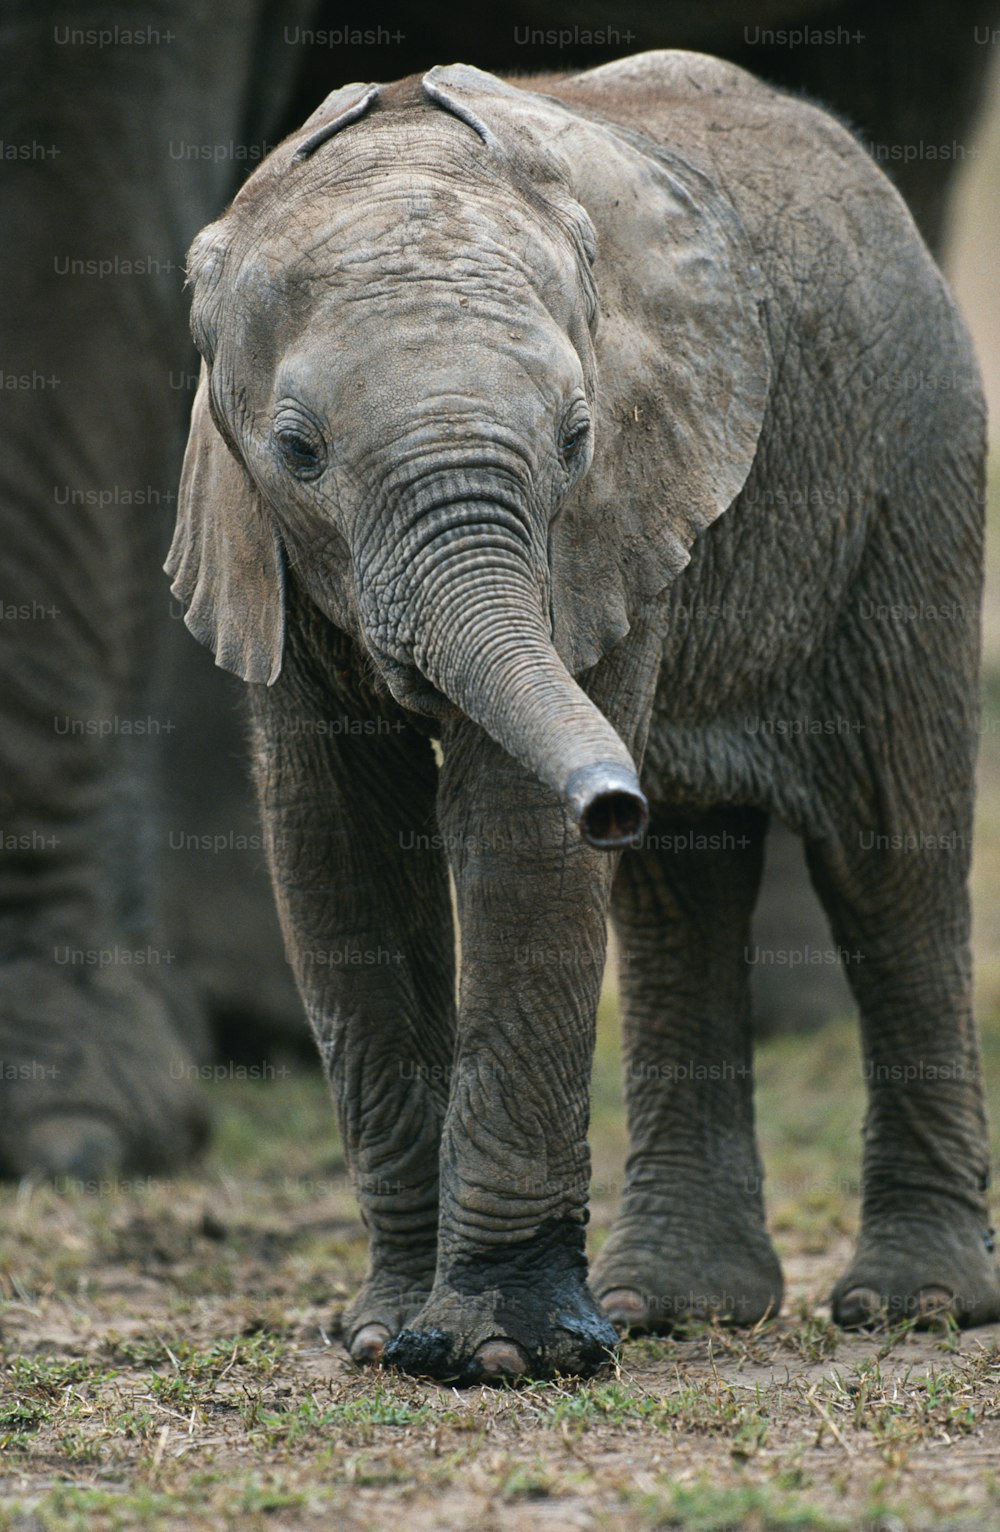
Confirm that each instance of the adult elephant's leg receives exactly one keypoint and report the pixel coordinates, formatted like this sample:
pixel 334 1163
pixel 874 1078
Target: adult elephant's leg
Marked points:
pixel 901 913
pixel 510 1294
pixel 211 868
pixel 690 1240
pixel 116 167
pixel 362 890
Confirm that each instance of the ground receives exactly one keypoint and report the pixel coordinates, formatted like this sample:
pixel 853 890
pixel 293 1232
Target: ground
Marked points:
pixel 170 1357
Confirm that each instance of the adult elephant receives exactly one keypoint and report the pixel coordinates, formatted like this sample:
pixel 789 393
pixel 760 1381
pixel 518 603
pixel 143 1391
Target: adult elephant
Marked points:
pixel 102 1023
pixel 135 908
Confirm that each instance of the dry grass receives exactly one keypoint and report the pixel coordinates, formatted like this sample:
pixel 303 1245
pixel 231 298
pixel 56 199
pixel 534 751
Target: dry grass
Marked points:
pixel 171 1360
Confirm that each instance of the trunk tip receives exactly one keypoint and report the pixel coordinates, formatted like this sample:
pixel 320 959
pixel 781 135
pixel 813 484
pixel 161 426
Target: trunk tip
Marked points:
pixel 608 804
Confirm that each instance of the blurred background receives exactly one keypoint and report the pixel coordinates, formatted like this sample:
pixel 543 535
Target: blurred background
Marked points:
pixel 972 262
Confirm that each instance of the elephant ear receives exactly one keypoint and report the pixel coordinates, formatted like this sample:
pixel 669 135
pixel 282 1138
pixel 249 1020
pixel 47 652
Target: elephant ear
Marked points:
pixel 226 561
pixel 340 108
pixel 681 356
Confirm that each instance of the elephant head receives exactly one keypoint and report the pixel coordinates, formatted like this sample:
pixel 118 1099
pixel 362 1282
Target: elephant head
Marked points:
pixel 478 369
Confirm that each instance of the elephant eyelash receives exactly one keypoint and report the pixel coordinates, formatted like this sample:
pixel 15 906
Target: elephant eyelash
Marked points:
pixel 300 444
pixel 573 438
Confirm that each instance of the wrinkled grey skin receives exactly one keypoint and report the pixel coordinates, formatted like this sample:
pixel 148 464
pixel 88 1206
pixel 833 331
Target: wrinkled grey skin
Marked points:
pixel 507 386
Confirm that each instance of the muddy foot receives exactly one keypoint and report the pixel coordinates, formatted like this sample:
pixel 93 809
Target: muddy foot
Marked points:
pixel 513 1336
pixel 95 1082
pixel 927 1271
pixel 514 1311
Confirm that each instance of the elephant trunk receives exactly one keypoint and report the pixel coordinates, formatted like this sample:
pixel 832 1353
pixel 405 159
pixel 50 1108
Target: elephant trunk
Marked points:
pixel 488 650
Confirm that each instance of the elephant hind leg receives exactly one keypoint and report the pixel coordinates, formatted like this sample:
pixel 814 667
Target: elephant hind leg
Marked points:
pixel 899 910
pixel 690 1240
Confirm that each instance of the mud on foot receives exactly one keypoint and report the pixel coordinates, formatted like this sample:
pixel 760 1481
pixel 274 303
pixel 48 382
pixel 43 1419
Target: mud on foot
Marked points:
pixel 383 1307
pixel 501 1338
pixel 513 1311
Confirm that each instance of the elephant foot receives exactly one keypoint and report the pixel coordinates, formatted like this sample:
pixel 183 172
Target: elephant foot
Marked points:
pixel 650 1279
pixel 383 1307
pixel 95 1082
pixel 926 1270
pixel 521 1310
pixel 77 1146
pixel 502 1337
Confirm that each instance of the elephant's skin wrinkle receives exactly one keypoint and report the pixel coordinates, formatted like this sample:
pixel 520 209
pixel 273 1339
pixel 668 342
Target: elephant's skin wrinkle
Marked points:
pixel 554 1253
pixel 707 591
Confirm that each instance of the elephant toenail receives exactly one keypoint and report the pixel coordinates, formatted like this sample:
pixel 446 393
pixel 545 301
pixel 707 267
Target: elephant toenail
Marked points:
pixel 861 1306
pixel 369 1344
pixel 624 1307
pixel 499 1359
pixel 934 1303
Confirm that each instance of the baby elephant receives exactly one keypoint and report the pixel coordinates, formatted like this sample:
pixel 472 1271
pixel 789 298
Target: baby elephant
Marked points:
pixel 584 424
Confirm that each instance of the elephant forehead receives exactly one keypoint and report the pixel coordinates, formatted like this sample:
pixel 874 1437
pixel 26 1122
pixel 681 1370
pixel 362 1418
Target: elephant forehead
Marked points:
pixel 460 308
pixel 370 238
pixel 433 359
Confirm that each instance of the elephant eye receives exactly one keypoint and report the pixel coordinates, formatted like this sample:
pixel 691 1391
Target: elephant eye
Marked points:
pixel 298 453
pixel 300 445
pixel 574 434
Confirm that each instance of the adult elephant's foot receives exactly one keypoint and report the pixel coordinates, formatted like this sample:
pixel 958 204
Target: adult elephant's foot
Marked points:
pixel 927 1269
pixel 95 1082
pixel 385 1305
pixel 655 1274
pixel 516 1311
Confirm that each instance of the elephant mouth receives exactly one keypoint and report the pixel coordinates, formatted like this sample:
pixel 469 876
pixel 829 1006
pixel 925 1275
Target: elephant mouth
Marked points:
pixel 413 691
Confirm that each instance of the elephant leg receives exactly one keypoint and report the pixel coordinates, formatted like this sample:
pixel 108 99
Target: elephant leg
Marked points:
pixel 98 1029
pixel 216 893
pixel 364 901
pixel 901 915
pixel 126 156
pixel 510 1294
pixel 690 1239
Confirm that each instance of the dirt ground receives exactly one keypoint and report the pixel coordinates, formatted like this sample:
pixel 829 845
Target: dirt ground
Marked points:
pixel 170 1359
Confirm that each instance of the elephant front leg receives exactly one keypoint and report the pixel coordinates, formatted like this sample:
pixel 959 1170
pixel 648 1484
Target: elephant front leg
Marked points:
pixel 510 1295
pixel 362 891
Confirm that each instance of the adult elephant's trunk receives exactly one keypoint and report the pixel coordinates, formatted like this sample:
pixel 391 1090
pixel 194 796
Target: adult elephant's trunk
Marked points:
pixel 480 638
